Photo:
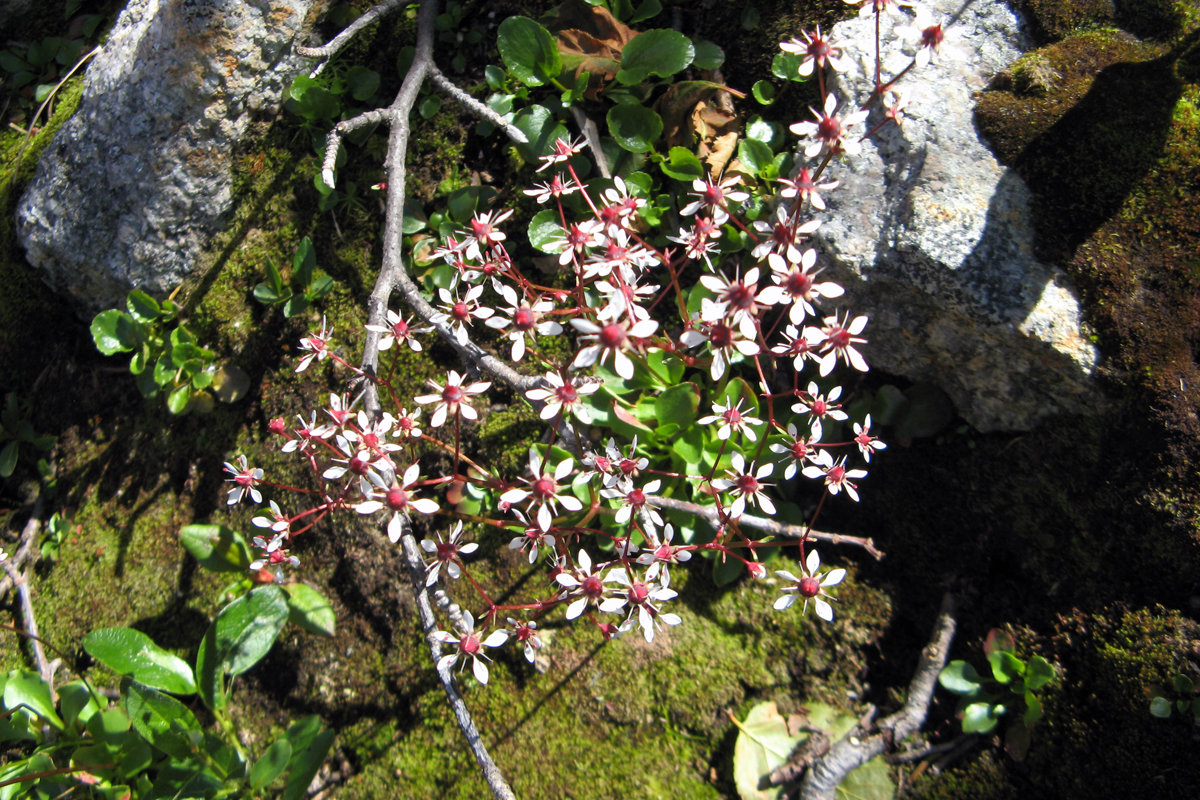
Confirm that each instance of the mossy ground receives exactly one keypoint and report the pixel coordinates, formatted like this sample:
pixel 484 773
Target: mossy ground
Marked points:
pixel 1072 533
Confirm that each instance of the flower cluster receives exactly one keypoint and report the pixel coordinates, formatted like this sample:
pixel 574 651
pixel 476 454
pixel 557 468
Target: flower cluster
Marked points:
pixel 684 356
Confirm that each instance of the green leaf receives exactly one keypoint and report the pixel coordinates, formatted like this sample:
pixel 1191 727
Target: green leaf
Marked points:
pixel 1038 672
pixel 786 66
pixel 217 547
pixel 161 720
pixel 708 55
pixel 871 781
pixel 1180 683
pixel 114 332
pixel 1005 666
pixel 649 9
pixel 980 718
pixel 764 92
pixel 1033 710
pixel 303 264
pixel 309 609
pixel 689 445
pixel 8 459
pixel 310 744
pixel 960 677
pixel 271 765
pixel 678 404
pixel 130 652
pixel 682 165
pixel 247 628
pixel 77 703
pixel 727 570
pixel 762 746
pixel 178 399
pixel 665 366
pixel 363 83
pixel 528 51
pixel 755 156
pixel 142 306
pixel 268 295
pixel 27 689
pixel 997 640
pixel 660 52
pixel 545 231
pixel 635 127
pixel 430 106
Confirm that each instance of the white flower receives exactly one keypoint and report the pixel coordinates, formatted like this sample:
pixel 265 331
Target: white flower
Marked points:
pixel 452 398
pixel 634 499
pixel 448 552
pixel 644 596
pixel 830 132
pixel 245 481
pixel 532 537
pixel 745 482
pixel 819 406
pixel 395 495
pixel 590 585
pixel 458 312
pixel 315 345
pixel 611 339
pixel 523 320
pixel 840 338
pixel 835 474
pixel 810 586
pixel 467 644
pixel 867 443
pixel 397 330
pixel 732 421
pixel 544 490
pixel 563 397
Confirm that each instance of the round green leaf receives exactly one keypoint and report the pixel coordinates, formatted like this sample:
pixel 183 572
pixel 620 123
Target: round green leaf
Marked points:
pixel 871 781
pixel 114 332
pixel 960 677
pixel 786 66
pixel 660 52
pixel 363 82
pixel 1038 672
pixel 545 231
pixel 635 127
pixel 309 609
pixel 23 687
pixel 708 55
pixel 8 459
pixel 177 401
pixel 755 156
pixel 1006 667
pixel 764 92
pixel 129 652
pixel 541 129
pixel 678 404
pixel 216 547
pixel 528 51
pixel 142 306
pixel 979 718
pixel 160 719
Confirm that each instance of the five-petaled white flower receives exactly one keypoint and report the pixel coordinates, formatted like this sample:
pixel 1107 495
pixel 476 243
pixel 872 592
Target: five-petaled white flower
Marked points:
pixel 278 522
pixel 830 132
pixel 714 198
pixel 452 398
pixel 245 481
pixel 587 585
pixel 818 51
pixel 522 320
pixel 274 555
pixel 544 491
pixel 610 339
pixel 835 474
pixel 867 443
pixel 643 595
pixel 448 552
pixel 315 346
pixel 732 420
pixel 634 499
pixel 396 495
pixel 810 586
pixel 819 406
pixel 397 329
pixel 467 644
pixel 745 483
pixel 561 396
pixel 531 537
pixel 457 312
pixel 840 339
pixel 526 634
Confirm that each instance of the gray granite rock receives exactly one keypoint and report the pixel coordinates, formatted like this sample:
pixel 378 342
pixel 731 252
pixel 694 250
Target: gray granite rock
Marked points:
pixel 137 181
pixel 940 238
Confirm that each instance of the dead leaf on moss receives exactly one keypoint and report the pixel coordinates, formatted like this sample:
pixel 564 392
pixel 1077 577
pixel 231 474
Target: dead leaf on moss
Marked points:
pixel 590 39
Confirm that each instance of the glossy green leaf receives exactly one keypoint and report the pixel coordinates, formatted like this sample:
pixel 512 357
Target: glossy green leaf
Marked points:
pixel 708 55
pixel 178 399
pixel 130 652
pixel 77 703
pixel 786 66
pixel 310 744
pixel 682 165
pixel 303 263
pixel 114 332
pixel 764 92
pixel 247 628
pixel 678 404
pixel 362 82
pixel 161 720
pixel 309 609
pixel 545 231
pixel 1180 683
pixel 980 718
pixel 1005 666
pixel 26 689
pixel 647 9
pixel 667 367
pixel 528 51
pixel 271 765
pixel 727 570
pixel 1038 673
pixel 1033 710
pixel 960 677
pixel 635 127
pixel 430 106
pixel 756 157
pixel 662 52
pixel 142 307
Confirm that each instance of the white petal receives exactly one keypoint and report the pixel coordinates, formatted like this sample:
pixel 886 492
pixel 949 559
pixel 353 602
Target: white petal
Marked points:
pixel 824 610
pixel 480 669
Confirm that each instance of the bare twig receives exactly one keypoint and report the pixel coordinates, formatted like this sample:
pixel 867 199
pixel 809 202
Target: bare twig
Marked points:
pixel 852 751
pixel 783 529
pixel 338 42
pixel 15 578
pixel 475 107
pixel 491 772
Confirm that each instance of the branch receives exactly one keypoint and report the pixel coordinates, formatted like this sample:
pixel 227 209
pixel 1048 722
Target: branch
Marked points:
pixel 709 514
pixel 13 578
pixel 475 107
pixel 338 42
pixel 491 772
pixel 851 752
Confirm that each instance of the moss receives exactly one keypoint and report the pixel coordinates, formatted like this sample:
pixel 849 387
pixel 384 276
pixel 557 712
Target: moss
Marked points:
pixel 506 436
pixel 1052 20
pixel 980 778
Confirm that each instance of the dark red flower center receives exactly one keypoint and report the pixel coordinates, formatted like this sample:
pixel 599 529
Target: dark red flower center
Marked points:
pixel 452 394
pixel 819 408
pixel 460 311
pixel 523 319
pixel 544 488
pixel 747 484
pixel 839 338
pixel 721 335
pixel 799 283
pixel 396 498
pixel 566 394
pixel 636 498
pixel 446 551
pixel 359 464
pixel 638 593
pixel 809 586
pixel 592 586
pixel 829 129
pixel 400 329
pixel 611 335
pixel 740 296
pixel 469 644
